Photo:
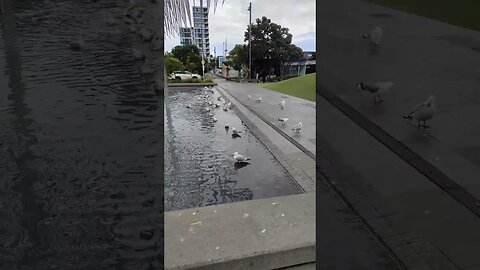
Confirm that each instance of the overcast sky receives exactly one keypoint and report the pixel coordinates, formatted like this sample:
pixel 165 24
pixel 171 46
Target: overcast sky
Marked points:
pixel 230 21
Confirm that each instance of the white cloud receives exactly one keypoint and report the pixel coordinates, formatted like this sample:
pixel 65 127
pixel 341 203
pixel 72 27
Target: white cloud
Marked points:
pixel 230 21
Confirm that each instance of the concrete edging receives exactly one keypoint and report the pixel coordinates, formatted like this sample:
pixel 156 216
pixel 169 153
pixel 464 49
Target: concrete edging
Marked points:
pixel 190 84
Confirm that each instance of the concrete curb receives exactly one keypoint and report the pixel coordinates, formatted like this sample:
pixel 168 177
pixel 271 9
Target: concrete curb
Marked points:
pixel 191 84
pixel 259 234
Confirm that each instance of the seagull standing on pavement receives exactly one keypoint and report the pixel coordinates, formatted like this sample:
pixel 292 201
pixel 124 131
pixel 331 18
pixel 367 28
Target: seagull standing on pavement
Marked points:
pixel 259 99
pixel 423 112
pixel 249 97
pixel 376 89
pixel 215 119
pixel 282 104
pixel 226 126
pixel 298 127
pixel 283 120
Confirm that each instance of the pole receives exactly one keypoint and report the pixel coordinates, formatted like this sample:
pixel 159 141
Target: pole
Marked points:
pixel 250 43
pixel 203 42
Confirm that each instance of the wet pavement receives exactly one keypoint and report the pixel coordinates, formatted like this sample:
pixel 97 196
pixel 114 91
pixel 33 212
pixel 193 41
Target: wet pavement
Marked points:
pixel 79 143
pixel 342 239
pixel 422 57
pixel 199 165
pixel 417 219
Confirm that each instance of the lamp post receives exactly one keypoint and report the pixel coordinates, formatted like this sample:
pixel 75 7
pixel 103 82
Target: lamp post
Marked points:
pixel 250 43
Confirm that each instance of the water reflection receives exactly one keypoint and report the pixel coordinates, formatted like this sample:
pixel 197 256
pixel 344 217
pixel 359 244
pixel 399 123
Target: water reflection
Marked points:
pixel 199 165
pixel 79 143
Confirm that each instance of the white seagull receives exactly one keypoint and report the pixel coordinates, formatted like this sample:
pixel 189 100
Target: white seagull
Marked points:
pixel 282 104
pixel 259 100
pixel 240 158
pixel 374 37
pixel 423 112
pixel 207 109
pixel 376 89
pixel 215 119
pixel 249 97
pixel 283 120
pixel 298 127
pixel 235 131
pixel 189 106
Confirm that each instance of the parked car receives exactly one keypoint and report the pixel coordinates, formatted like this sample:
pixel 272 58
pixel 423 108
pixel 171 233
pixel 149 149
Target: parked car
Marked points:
pixel 184 75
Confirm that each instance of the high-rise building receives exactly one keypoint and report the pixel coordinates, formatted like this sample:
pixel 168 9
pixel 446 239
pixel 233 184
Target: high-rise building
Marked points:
pixel 200 25
pixel 186 35
pixel 198 34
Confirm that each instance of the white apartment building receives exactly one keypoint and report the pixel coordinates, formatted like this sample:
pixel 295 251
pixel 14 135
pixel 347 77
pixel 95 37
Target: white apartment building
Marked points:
pixel 198 34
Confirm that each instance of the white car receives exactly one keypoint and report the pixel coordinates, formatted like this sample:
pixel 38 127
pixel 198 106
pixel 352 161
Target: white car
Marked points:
pixel 184 75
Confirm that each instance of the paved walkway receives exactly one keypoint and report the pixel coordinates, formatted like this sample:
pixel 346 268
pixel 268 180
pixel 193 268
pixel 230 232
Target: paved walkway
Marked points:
pixel 421 223
pixel 421 57
pixel 337 222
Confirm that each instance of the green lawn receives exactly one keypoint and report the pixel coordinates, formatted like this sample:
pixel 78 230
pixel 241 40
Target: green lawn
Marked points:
pixel 302 87
pixel 463 13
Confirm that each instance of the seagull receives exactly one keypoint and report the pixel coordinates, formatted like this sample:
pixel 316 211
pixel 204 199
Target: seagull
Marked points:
pixel 219 98
pixel 423 111
pixel 214 119
pixel 210 114
pixel 225 108
pixel 298 127
pixel 216 105
pixel 189 106
pixel 207 109
pixel 249 97
pixel 240 158
pixel 227 126
pixel 229 105
pixel 259 100
pixel 282 104
pixel 283 120
pixel 235 131
pixel 376 89
pixel 374 37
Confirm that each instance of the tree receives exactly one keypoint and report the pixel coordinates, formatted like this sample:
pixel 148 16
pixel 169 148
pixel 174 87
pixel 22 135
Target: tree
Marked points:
pixel 271 46
pixel 173 64
pixel 189 55
pixel 289 55
pixel 238 56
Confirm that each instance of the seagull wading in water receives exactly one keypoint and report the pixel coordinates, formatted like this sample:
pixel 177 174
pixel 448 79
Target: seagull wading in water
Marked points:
pixel 374 37
pixel 376 89
pixel 240 158
pixel 423 112
pixel 235 131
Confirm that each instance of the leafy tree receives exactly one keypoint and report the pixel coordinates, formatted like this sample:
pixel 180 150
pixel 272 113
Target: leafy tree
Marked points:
pixel 173 64
pixel 271 47
pixel 238 56
pixel 190 56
